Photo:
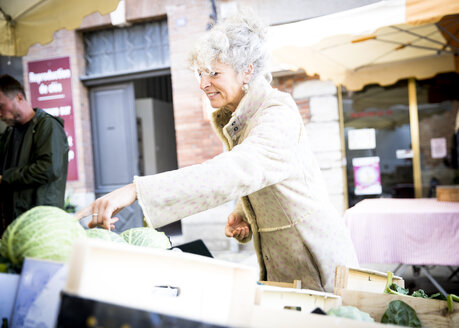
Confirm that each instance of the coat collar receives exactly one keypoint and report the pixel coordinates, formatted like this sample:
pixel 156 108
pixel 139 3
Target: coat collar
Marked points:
pixel 229 125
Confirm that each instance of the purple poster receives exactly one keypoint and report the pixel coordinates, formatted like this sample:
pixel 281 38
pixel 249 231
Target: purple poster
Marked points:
pixel 50 83
pixel 367 176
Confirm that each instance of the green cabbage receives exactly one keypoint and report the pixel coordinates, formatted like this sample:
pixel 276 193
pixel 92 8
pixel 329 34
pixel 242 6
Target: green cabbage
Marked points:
pixel 146 237
pixel 43 232
pixel 104 234
pixel 350 312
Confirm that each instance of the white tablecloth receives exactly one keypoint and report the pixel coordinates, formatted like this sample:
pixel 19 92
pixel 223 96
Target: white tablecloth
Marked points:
pixel 410 231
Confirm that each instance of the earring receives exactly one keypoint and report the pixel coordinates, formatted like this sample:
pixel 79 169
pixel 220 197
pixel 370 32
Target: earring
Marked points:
pixel 245 87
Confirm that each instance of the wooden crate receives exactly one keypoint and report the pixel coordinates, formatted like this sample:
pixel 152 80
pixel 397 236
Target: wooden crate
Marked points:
pixel 368 296
pixel 294 284
pixel 302 300
pixel 173 283
pixel 207 290
pixel 263 317
pixel 448 193
pixel 363 280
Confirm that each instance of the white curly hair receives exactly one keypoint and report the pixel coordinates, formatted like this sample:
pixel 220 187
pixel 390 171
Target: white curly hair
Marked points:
pixel 239 41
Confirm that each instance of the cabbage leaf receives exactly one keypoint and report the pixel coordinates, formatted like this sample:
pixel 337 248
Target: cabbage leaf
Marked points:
pixel 350 312
pixel 98 233
pixel 146 237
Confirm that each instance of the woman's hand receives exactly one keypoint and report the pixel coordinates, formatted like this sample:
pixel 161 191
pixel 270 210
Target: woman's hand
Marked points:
pixel 103 208
pixel 237 227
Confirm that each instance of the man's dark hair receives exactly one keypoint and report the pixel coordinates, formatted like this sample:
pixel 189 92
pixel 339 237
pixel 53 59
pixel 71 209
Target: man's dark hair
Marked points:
pixel 10 86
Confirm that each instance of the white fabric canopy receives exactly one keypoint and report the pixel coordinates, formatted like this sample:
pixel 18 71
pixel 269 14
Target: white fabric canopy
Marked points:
pixel 26 22
pixel 370 44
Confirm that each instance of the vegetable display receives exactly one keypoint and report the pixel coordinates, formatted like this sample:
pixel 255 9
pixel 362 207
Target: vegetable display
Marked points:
pixel 43 232
pixel 48 232
pixel 146 237
pixel 397 290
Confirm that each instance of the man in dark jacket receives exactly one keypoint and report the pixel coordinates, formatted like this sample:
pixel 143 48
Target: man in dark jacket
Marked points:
pixel 33 155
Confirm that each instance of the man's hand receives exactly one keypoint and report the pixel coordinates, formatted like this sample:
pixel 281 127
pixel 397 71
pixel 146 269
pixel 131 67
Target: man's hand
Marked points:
pixel 236 227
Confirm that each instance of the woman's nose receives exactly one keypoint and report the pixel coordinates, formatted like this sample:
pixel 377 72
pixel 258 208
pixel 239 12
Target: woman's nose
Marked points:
pixel 204 82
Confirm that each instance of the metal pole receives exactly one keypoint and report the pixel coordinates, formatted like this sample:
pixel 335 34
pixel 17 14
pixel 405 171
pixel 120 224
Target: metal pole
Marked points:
pixel 433 281
pixel 414 128
pixel 343 145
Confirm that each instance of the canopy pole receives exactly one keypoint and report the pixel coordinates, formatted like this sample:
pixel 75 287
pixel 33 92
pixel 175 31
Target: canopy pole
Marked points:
pixel 414 129
pixel 343 146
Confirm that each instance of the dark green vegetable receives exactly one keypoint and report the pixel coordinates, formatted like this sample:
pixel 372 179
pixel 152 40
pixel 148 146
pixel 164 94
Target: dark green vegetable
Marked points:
pixel 397 290
pixel 6 266
pixel 394 288
pixel 438 296
pixel 401 314
pixel 420 293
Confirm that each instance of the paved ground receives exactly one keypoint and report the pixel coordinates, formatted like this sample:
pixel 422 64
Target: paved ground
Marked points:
pixel 444 276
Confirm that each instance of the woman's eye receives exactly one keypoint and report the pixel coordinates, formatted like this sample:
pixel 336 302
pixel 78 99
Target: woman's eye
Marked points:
pixel 213 74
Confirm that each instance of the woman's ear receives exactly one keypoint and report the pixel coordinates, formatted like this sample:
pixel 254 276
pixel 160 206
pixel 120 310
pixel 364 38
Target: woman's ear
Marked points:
pixel 248 74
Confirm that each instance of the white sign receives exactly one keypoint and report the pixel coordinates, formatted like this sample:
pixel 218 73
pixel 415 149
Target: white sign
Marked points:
pixel 361 139
pixel 404 153
pixel 438 147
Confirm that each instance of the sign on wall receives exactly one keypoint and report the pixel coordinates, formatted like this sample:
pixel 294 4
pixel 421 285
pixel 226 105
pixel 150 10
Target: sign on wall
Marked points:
pixel 50 83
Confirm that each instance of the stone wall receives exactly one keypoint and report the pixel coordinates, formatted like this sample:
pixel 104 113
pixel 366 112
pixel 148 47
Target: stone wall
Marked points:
pixel 324 134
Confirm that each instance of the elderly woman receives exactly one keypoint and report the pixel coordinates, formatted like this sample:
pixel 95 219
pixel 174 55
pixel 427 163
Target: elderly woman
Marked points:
pixel 283 204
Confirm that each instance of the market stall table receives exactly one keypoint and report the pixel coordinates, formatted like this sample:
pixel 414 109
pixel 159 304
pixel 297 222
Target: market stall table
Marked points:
pixel 420 231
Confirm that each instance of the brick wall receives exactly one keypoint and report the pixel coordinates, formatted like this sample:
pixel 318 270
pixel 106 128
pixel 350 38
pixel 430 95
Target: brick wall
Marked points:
pixel 196 142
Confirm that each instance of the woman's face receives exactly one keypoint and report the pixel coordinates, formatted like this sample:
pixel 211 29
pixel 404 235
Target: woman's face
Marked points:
pixel 223 86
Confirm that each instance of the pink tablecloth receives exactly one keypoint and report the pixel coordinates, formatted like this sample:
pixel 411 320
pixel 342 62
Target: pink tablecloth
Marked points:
pixel 409 231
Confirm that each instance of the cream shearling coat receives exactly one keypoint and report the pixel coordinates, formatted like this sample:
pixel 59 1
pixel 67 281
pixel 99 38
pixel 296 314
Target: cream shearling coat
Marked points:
pixel 296 231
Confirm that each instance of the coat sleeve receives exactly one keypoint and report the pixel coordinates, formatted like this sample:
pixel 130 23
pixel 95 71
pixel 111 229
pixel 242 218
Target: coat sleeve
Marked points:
pixel 263 158
pixel 47 159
